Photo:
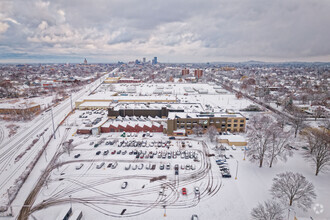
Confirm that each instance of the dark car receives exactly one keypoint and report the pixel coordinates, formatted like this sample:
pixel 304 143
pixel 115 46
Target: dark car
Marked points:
pixel 226 175
pixel 98 153
pixel 109 165
pixel 171 138
pixel 77 155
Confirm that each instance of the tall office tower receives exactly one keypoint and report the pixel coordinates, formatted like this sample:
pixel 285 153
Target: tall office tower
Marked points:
pixel 154 61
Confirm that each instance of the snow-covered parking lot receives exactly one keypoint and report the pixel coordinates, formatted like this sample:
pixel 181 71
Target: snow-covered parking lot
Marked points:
pixel 156 170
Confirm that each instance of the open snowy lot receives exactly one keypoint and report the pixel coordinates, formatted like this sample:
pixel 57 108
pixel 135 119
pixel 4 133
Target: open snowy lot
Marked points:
pixel 98 191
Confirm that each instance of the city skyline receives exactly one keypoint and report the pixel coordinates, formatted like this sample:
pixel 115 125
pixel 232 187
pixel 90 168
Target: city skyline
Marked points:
pixel 213 31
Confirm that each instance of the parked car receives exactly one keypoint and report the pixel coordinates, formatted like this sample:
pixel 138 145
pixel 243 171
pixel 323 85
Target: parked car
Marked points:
pixel 79 166
pixel 171 138
pixel 140 167
pixel 77 155
pixel 161 167
pixel 196 190
pixel 233 147
pixel 114 165
pixel 194 217
pixel 106 152
pixel 226 175
pixel 98 152
pixel 100 165
pixel 109 165
pixel 184 191
pixel 128 166
pixel 124 185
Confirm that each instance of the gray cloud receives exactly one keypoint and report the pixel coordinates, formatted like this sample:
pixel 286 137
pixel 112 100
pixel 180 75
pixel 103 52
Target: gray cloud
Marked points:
pixel 196 31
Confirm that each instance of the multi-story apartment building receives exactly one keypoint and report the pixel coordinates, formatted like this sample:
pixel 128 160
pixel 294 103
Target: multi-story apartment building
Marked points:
pixel 184 123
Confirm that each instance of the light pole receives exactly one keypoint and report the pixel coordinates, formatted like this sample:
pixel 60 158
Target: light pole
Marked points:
pixel 71 101
pixel 236 170
pixel 53 123
pixel 244 152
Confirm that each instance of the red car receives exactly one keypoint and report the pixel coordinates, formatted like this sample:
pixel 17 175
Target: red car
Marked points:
pixel 184 191
pixel 113 152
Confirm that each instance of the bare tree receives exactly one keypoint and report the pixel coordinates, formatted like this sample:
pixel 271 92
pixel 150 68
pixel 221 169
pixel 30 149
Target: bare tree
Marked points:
pixel 319 112
pixel 298 120
pixel 212 133
pixel 197 129
pixel 270 210
pixel 68 146
pixel 259 138
pixel 292 188
pixel 278 148
pixel 319 149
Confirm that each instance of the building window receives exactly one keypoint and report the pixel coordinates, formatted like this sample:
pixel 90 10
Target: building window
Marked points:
pixel 228 125
pixel 229 120
pixel 241 125
pixel 242 120
pixel 235 120
pixel 235 125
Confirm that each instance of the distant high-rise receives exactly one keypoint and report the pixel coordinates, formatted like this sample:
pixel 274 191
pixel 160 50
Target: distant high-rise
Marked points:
pixel 198 73
pixel 144 60
pixel 185 72
pixel 154 61
pixel 85 61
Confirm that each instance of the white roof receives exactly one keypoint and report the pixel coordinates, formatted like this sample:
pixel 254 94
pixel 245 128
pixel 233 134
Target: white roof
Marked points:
pixel 232 138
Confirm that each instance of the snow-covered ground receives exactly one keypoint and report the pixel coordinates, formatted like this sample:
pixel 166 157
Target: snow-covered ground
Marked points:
pixel 20 145
pixel 98 192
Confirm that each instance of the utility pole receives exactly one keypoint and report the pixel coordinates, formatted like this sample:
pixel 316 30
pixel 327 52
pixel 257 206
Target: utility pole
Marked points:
pixel 71 101
pixel 53 123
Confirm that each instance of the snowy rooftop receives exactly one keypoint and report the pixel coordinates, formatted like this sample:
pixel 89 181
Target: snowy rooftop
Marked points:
pixel 187 107
pixel 173 115
pixel 232 138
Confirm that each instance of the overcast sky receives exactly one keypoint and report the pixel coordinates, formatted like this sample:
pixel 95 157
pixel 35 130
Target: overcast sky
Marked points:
pixel 172 30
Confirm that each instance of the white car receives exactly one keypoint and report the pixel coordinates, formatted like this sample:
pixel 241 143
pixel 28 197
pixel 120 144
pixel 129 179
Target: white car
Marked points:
pixel 196 190
pixel 79 166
